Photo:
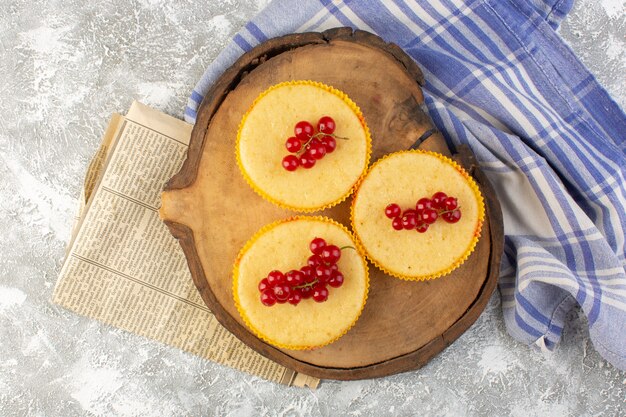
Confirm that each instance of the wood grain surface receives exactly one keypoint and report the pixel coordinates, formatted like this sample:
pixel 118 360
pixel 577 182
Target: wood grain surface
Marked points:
pixel 213 212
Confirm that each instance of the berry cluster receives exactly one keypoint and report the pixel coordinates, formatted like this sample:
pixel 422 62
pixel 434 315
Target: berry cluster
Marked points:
pixel 310 281
pixel 426 212
pixel 306 146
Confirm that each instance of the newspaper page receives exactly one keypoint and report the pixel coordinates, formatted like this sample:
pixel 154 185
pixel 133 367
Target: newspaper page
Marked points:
pixel 125 269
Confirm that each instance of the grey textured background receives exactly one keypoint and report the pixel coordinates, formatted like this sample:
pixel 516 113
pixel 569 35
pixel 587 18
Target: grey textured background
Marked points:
pixel 64 68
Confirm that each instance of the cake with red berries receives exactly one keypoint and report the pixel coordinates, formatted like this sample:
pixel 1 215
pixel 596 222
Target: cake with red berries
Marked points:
pixel 417 214
pixel 300 283
pixel 303 145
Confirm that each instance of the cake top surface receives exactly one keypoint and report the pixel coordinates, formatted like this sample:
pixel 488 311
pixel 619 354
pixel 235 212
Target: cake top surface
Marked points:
pixel 284 246
pixel 270 122
pixel 404 178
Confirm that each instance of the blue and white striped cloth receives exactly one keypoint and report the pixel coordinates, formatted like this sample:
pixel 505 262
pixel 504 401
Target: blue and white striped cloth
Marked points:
pixel 551 140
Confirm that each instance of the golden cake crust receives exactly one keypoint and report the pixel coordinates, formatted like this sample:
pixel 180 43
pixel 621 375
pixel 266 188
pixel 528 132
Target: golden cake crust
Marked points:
pixel 403 178
pixel 284 245
pixel 269 122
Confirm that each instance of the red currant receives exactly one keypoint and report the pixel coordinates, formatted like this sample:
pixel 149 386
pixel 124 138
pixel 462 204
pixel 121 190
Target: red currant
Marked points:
pixel 293 144
pixel 326 124
pixel 334 267
pixel 294 278
pixel 291 162
pixel 392 210
pixel 438 199
pixel 263 285
pixel 314 260
pixel 409 221
pixel 282 293
pixel 429 216
pixel 331 254
pixel 329 143
pixel 303 130
pixel 336 279
pixel 423 203
pixel 307 272
pixel 275 277
pixel 422 227
pixel 317 245
pixel 306 160
pixel 310 278
pixel 316 149
pixel 450 203
pixel 268 298
pixel 397 223
pixel 452 216
pixel 295 297
pixel 320 293
pixel 306 292
pixel 323 273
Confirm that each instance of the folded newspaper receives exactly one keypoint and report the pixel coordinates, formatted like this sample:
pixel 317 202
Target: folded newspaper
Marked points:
pixel 125 269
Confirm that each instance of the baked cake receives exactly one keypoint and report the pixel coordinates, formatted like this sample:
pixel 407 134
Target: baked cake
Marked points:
pixel 417 214
pixel 303 145
pixel 288 253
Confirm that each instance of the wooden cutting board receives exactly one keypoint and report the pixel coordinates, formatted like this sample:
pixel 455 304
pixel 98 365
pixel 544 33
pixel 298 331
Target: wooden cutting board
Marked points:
pixel 211 210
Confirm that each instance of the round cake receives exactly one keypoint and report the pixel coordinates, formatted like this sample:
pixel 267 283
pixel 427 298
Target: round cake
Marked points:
pixel 303 145
pixel 417 214
pixel 313 253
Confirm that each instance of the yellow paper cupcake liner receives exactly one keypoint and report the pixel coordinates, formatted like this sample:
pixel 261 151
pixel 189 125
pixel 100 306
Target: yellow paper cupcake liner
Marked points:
pixel 353 106
pixel 477 230
pixel 251 242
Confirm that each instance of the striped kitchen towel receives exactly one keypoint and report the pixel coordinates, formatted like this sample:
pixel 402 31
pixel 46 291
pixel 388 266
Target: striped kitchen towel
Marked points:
pixel 500 79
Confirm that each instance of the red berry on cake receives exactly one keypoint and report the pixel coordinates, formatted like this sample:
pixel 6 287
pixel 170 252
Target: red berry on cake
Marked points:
pixel 323 273
pixel 275 277
pixel 263 285
pixel 452 216
pixel 450 204
pixel 307 272
pixel 317 245
pixel 438 199
pixel 303 130
pixel 268 298
pixel 311 277
pixel 306 292
pixel 331 254
pixel 397 223
pixel 326 124
pixel 293 144
pixel 320 293
pixel 429 216
pixel 392 211
pixel 306 160
pixel 291 162
pixel 409 221
pixel 314 260
pixel 282 293
pixel 295 297
pixel 294 278
pixel 423 203
pixel 329 143
pixel 316 149
pixel 336 279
